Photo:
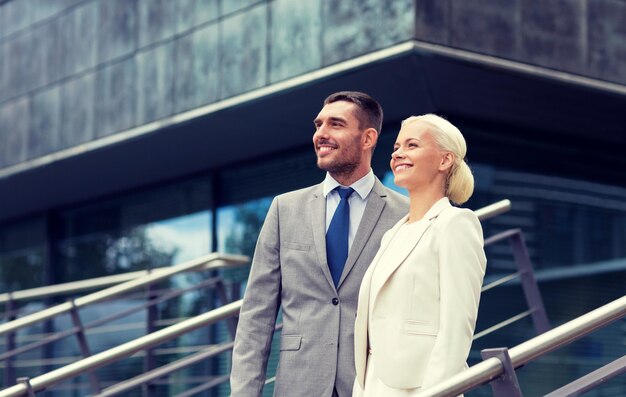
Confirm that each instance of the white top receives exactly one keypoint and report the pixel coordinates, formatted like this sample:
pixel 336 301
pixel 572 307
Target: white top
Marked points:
pixel 357 201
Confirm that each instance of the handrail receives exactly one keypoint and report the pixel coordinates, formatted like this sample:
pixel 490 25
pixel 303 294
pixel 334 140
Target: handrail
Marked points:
pixel 494 209
pixel 122 351
pixel 218 261
pixel 521 354
pixel 78 286
pixel 73 287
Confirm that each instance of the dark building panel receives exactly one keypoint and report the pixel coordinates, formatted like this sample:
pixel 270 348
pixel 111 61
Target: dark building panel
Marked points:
pixel 295 36
pixel 157 21
pixel 156 83
pixel 116 97
pixel 4 70
pixel 607 40
pixel 36 59
pixel 197 80
pixel 79 32
pixel 17 16
pixel 397 21
pixel 45 9
pixel 553 35
pixel 432 21
pixel 3 23
pixel 45 122
pixel 485 26
pixel 243 51
pixel 191 13
pixel 52 34
pixel 350 29
pixel 118 29
pixel 15 121
pixel 77 111
pixel 19 53
pixel 231 6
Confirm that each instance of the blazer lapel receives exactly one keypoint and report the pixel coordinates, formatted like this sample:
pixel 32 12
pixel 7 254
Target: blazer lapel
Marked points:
pixel 397 258
pixel 373 209
pixel 318 226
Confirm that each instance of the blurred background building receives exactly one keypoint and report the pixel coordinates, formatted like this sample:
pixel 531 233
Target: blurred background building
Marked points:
pixel 142 133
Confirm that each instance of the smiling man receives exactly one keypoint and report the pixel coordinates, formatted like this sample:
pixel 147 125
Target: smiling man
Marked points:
pixel 311 255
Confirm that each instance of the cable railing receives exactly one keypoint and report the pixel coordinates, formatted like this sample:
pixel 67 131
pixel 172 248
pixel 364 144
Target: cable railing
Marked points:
pixel 501 366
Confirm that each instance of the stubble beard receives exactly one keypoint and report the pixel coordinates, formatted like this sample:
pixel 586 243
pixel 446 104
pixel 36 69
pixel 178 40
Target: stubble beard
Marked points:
pixel 342 167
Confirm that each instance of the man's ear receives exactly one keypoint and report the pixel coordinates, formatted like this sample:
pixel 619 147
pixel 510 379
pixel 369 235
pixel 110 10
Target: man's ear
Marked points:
pixel 370 137
pixel 447 159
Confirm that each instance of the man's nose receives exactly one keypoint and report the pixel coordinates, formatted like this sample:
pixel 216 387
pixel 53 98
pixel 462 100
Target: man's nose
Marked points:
pixel 321 132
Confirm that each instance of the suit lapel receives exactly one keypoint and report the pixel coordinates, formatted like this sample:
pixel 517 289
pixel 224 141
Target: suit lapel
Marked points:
pixel 396 258
pixel 318 225
pixel 373 209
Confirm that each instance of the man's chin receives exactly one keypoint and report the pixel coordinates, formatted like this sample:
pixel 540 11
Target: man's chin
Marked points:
pixel 324 165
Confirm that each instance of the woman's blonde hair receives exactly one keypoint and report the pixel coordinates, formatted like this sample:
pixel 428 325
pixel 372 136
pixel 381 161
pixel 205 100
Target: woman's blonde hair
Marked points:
pixel 460 181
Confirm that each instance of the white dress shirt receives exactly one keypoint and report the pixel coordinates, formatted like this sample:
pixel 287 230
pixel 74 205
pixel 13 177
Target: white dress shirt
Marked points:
pixel 357 201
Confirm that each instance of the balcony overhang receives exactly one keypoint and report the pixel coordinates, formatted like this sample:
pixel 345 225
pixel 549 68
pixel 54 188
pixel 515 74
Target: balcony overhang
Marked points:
pixel 520 101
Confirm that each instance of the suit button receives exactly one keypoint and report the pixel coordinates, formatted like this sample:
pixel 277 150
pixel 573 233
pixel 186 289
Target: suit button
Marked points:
pixel 335 301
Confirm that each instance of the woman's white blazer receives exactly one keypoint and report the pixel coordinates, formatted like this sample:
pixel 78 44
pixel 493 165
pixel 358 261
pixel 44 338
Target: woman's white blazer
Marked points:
pixel 424 310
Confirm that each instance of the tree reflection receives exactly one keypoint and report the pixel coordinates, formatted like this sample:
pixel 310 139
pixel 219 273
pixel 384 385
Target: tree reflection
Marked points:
pixel 239 227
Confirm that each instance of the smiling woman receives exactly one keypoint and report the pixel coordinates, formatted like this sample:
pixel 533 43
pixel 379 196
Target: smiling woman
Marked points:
pixel 418 302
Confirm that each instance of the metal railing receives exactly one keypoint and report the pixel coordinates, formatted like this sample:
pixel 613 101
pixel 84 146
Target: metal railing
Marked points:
pixel 135 281
pixel 125 350
pixel 150 341
pixel 74 287
pixel 217 261
pixel 493 368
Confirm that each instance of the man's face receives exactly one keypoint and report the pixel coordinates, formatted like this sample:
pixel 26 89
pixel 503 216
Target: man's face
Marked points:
pixel 338 139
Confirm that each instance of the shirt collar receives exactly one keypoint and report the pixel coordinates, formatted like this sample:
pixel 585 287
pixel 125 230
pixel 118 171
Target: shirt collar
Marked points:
pixel 362 187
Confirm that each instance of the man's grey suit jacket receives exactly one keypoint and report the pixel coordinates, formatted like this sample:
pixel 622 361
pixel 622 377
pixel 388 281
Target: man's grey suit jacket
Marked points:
pixel 289 269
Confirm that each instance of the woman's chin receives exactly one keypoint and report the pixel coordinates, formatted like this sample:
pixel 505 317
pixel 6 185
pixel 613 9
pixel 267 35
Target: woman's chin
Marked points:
pixel 400 182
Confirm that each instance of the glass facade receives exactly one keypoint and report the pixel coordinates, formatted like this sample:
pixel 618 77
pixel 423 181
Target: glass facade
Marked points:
pixel 575 231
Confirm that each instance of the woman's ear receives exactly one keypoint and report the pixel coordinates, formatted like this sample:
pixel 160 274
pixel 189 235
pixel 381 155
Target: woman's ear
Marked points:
pixel 447 160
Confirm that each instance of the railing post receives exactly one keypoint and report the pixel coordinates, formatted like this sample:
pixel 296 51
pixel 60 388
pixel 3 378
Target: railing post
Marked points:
pixel 529 283
pixel 83 345
pixel 506 385
pixel 9 371
pixel 149 361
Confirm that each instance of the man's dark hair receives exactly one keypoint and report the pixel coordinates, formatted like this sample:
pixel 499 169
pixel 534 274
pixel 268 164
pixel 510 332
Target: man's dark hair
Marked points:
pixel 370 113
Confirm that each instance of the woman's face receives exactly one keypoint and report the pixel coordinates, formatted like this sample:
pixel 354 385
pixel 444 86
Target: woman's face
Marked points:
pixel 416 161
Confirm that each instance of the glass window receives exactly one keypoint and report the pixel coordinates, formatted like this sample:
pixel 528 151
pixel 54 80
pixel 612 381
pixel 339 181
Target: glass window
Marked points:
pixel 152 229
pixel 22 255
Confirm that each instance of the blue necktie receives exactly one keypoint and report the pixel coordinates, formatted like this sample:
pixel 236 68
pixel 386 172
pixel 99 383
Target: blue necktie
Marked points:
pixel 337 236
